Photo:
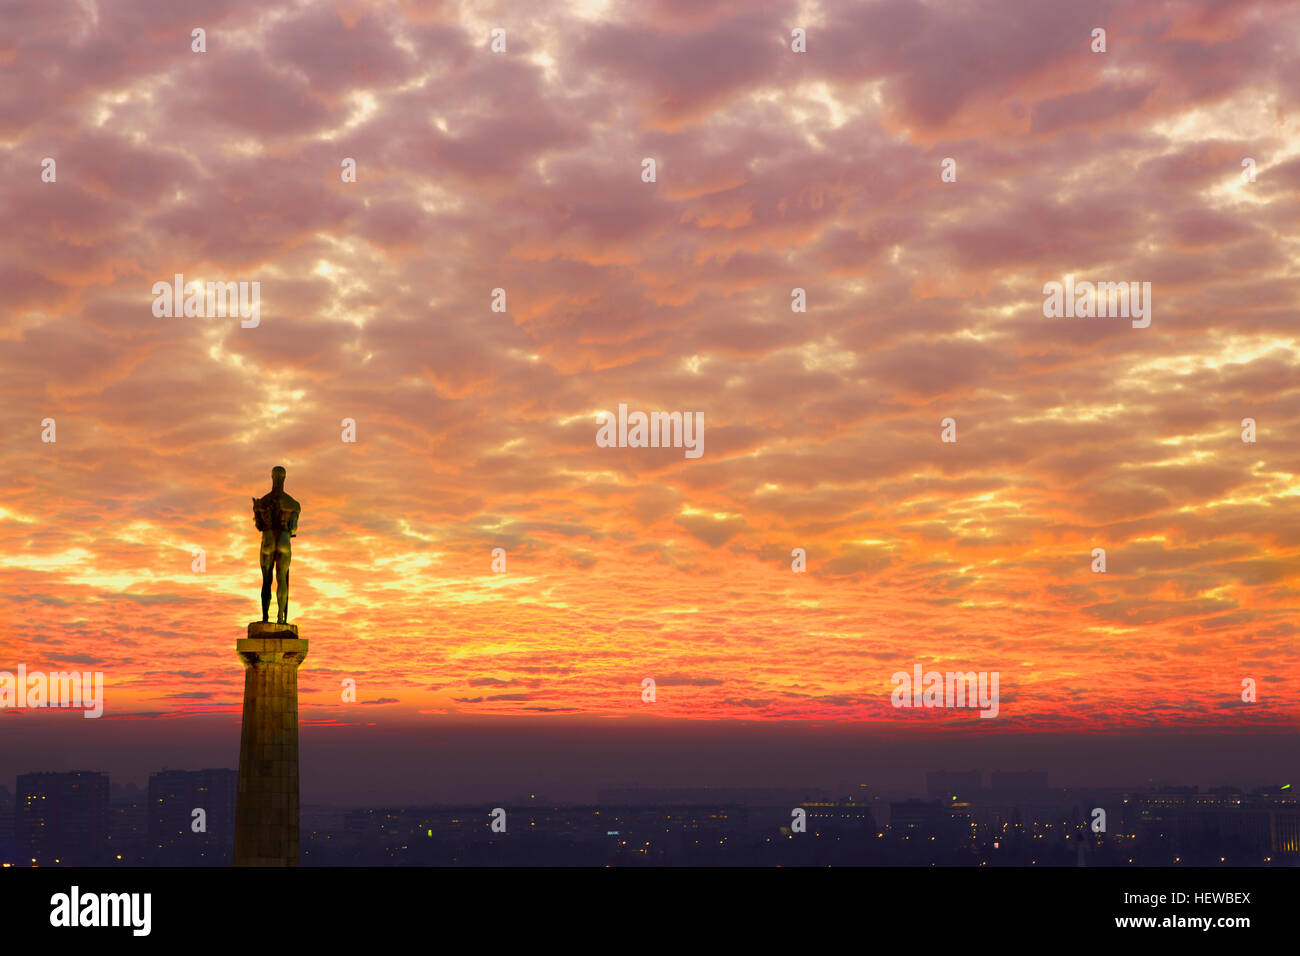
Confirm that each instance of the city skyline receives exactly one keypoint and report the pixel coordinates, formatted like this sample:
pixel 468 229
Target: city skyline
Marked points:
pixel 964 818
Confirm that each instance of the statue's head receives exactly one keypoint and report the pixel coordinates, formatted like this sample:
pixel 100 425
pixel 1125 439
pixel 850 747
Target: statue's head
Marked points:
pixel 277 475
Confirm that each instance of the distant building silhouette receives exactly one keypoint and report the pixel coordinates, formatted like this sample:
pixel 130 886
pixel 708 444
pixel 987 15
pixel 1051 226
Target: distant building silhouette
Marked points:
pixel 62 819
pixel 129 827
pixel 924 818
pixel 945 784
pixel 838 816
pixel 1017 781
pixel 707 796
pixel 174 795
pixel 1236 827
pixel 8 850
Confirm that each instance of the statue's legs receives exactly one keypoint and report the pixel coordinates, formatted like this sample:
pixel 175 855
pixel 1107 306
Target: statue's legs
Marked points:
pixel 268 566
pixel 282 556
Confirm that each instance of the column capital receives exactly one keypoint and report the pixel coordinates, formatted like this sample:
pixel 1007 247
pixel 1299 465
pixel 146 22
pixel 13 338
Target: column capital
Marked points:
pixel 271 644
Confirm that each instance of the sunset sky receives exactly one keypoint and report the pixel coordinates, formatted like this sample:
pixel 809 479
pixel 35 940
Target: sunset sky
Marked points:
pixel 476 429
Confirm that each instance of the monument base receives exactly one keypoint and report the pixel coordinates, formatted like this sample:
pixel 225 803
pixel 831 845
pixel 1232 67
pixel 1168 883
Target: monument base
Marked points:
pixel 266 810
pixel 267 629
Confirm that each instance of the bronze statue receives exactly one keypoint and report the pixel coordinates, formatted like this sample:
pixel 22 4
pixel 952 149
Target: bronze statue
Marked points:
pixel 276 516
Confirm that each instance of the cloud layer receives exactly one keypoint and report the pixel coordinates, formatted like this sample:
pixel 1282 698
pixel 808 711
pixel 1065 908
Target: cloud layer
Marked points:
pixel 476 429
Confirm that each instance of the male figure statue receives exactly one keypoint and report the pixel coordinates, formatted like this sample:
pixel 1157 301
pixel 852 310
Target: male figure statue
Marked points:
pixel 276 516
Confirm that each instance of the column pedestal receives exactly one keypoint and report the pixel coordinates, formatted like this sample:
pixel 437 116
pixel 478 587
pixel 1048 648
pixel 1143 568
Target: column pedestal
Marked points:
pixel 266 809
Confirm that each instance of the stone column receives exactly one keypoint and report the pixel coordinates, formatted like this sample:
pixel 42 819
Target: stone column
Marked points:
pixel 266 809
